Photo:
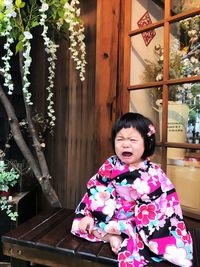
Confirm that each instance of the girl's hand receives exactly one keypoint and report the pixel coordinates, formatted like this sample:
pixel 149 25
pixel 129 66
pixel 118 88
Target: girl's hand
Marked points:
pixel 115 242
pixel 86 224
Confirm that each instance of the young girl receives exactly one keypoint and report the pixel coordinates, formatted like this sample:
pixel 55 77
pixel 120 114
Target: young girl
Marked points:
pixel 131 203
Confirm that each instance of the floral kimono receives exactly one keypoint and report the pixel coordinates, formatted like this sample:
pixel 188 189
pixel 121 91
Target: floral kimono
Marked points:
pixel 143 207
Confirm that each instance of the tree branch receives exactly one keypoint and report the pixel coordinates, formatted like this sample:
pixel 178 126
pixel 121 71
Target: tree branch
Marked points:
pixel 17 135
pixel 49 192
pixel 40 155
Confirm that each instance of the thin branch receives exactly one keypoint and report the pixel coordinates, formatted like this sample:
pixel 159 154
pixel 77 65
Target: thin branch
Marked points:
pixel 46 186
pixel 19 139
pixel 40 155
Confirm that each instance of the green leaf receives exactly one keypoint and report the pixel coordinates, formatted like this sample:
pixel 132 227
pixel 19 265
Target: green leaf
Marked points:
pixel 19 3
pixel 1 16
pixel 61 13
pixel 22 5
pixel 19 47
pixel 34 24
pixel 2 4
pixel 21 37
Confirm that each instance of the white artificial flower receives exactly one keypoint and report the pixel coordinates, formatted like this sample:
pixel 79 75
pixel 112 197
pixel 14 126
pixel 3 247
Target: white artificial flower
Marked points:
pixel 159 77
pixel 197 71
pixel 187 85
pixel 193 60
pixel 28 35
pixel 44 7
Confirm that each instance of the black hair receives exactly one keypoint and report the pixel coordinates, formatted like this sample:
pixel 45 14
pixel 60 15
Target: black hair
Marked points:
pixel 141 124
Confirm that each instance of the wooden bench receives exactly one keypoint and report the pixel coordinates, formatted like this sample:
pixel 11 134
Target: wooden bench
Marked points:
pixel 46 240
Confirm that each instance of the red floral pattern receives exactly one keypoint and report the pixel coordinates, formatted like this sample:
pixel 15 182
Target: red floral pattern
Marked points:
pixel 182 232
pixel 147 213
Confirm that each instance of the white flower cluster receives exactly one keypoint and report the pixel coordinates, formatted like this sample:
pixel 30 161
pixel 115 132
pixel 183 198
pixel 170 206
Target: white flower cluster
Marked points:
pixel 26 66
pixel 7 46
pixel 8 16
pixel 15 23
pixel 76 30
pixel 50 48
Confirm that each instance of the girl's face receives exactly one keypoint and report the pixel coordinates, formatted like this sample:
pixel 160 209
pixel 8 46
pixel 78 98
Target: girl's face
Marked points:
pixel 129 146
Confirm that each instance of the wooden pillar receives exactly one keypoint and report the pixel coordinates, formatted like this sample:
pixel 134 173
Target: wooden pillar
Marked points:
pixel 107 44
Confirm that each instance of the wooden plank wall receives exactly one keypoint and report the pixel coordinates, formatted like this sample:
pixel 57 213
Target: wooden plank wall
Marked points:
pixel 74 140
pixel 85 112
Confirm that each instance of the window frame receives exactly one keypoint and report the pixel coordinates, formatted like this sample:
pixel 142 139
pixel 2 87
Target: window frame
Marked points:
pixel 124 70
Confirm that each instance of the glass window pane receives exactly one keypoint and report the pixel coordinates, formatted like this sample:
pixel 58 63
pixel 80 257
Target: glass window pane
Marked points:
pixel 184 173
pixel 184 113
pixel 146 61
pixel 145 102
pixel 145 12
pixel 178 6
pixel 177 122
pixel 156 157
pixel 185 48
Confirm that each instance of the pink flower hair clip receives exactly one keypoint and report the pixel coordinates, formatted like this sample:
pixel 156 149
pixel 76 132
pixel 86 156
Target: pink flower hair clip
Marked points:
pixel 152 130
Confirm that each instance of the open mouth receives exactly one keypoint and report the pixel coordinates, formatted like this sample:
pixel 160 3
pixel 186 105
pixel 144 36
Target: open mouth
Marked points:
pixel 127 154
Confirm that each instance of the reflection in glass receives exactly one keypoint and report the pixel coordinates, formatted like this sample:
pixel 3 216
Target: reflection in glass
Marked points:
pixel 146 61
pixel 139 10
pixel 177 121
pixel 147 102
pixel 185 48
pixel 178 6
pixel 184 174
pixel 184 113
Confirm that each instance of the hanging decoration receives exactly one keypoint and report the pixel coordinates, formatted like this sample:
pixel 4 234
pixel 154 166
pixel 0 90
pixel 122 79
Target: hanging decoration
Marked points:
pixel 147 35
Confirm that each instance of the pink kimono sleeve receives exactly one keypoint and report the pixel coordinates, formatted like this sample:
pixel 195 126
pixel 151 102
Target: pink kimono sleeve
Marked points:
pixel 160 224
pixel 95 200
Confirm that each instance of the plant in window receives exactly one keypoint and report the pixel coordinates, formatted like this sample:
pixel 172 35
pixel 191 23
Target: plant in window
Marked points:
pixel 184 62
pixel 56 19
pixel 8 178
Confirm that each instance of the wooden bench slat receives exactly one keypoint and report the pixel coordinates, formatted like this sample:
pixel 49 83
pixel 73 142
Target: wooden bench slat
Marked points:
pixel 191 223
pixel 196 245
pixel 70 244
pixel 163 264
pixel 43 228
pixel 90 249
pixel 194 228
pixel 30 224
pixel 106 254
pixel 57 233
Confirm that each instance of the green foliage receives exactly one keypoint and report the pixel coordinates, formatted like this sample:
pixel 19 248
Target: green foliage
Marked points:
pixel 27 17
pixel 192 116
pixel 8 178
pixel 8 207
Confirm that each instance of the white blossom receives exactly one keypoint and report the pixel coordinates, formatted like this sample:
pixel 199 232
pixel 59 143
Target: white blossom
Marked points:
pixel 28 35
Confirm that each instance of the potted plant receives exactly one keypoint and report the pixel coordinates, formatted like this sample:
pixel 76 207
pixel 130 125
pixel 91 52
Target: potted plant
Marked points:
pixel 8 179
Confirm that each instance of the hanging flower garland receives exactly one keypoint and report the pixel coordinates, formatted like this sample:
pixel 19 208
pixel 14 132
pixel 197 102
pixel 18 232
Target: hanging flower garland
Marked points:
pixel 17 18
pixel 6 32
pixel 76 30
pixel 50 48
pixel 26 66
